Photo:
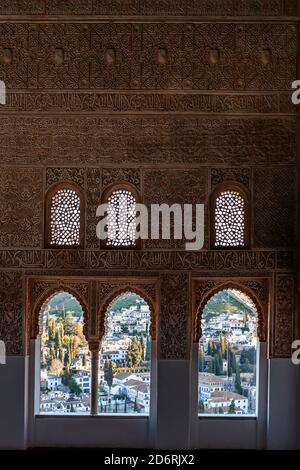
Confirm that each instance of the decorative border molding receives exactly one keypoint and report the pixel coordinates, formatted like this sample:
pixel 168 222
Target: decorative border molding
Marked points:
pixel 135 8
pixel 146 103
pixel 230 261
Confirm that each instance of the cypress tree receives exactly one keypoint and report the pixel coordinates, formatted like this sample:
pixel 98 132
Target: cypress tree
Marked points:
pixel 238 385
pixel 142 343
pixel 148 349
pixel 232 408
pixel 108 373
pixel 201 359
pixel 201 407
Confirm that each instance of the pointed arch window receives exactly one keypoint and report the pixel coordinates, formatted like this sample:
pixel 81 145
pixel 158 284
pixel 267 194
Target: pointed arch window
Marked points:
pixel 230 217
pixel 65 358
pixel 125 357
pixel 64 216
pixel 228 356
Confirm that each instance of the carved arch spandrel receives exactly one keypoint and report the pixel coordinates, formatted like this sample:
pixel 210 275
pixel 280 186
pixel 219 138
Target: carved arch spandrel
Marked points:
pixel 256 289
pixel 40 291
pixel 109 290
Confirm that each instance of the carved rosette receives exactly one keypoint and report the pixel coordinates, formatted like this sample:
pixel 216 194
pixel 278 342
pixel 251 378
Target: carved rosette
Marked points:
pixel 256 289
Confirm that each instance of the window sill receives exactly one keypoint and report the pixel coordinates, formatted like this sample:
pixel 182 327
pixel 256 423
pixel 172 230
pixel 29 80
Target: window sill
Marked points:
pixel 84 416
pixel 218 416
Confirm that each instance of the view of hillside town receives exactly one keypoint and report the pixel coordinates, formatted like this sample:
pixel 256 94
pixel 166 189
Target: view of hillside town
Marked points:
pixel 124 358
pixel 228 355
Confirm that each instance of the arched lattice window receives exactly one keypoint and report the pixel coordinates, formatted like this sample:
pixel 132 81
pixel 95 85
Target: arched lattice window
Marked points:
pixel 121 217
pixel 228 354
pixel 230 214
pixel 64 217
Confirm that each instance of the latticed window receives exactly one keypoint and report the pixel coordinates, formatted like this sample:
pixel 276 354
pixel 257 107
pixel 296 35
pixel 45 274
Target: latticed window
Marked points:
pixel 65 218
pixel 121 219
pixel 229 219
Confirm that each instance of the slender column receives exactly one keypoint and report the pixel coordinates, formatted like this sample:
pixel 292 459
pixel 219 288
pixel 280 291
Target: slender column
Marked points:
pixel 94 348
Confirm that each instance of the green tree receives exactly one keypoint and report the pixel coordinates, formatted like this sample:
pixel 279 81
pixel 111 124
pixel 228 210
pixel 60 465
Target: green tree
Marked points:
pixel 216 363
pixel 142 343
pixel 232 408
pixel 201 406
pixel 223 345
pixel 237 383
pixel 220 361
pixel 210 348
pixel 74 346
pixel 248 356
pixel 69 324
pixel 61 355
pixel 84 361
pixel 74 387
pixel 233 361
pixel 51 329
pixel 68 357
pixel 52 354
pixel 229 361
pixel 108 373
pixel 201 359
pixel 134 354
pixel 148 349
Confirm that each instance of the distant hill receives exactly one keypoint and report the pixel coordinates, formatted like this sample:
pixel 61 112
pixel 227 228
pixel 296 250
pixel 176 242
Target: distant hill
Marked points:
pixel 226 301
pixel 126 301
pixel 65 301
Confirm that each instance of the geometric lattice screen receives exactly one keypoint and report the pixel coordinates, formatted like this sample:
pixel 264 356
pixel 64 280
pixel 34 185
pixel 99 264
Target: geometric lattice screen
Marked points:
pixel 65 218
pixel 230 219
pixel 121 219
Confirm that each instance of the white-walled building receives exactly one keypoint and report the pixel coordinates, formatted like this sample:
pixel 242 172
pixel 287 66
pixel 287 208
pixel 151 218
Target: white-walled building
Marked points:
pixel 83 379
pixel 208 384
pixel 53 381
pixel 224 399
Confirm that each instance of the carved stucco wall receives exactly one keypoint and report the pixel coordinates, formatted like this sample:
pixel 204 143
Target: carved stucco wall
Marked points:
pixel 174 106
